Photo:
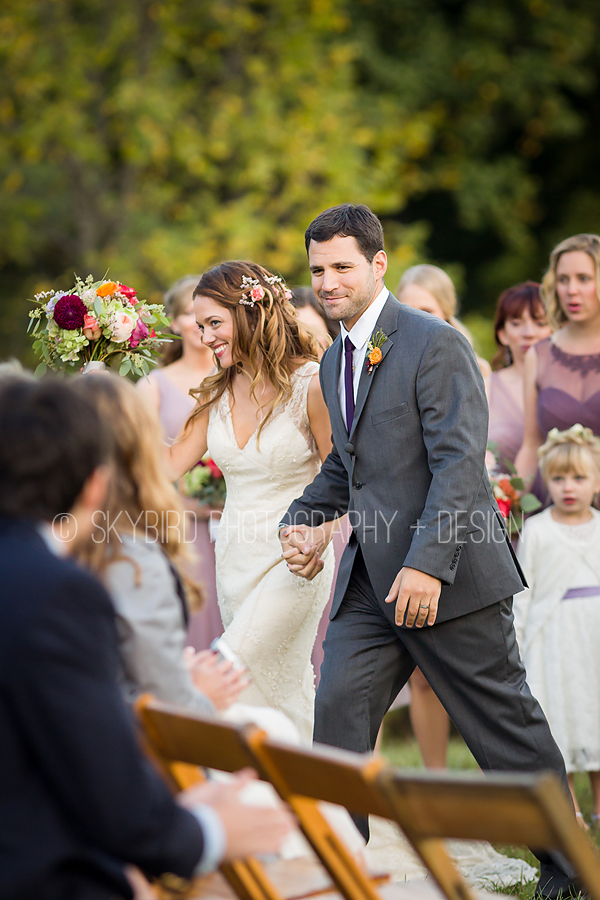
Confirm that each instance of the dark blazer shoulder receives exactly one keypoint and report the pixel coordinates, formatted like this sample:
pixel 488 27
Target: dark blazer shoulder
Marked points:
pixel 49 589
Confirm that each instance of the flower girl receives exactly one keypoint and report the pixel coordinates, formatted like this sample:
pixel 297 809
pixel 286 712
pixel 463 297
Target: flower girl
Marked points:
pixel 558 617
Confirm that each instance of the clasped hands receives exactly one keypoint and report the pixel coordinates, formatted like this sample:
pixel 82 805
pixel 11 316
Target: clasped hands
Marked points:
pixel 303 548
pixel 415 593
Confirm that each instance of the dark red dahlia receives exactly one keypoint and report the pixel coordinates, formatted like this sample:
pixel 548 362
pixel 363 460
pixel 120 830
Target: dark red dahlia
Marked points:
pixel 70 312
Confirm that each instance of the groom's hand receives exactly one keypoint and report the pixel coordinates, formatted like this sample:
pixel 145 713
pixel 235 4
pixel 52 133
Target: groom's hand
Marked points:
pixel 416 594
pixel 301 549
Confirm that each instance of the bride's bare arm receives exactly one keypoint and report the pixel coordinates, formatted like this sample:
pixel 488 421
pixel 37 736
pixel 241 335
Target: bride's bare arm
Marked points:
pixel 318 417
pixel 312 540
pixel 188 448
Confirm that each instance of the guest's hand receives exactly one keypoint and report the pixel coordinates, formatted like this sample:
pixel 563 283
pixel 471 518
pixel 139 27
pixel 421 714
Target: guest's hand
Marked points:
pixel 302 549
pixel 217 678
pixel 416 594
pixel 141 887
pixel 250 830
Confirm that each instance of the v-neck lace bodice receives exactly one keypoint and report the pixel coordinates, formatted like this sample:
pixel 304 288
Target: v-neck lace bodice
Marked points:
pixel 270 615
pixel 275 467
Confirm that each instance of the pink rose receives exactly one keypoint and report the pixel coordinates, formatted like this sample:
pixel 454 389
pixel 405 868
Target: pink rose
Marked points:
pixel 257 293
pixel 121 327
pixel 139 333
pixel 91 328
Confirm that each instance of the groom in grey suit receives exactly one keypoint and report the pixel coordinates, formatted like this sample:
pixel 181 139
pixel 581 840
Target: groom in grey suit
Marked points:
pixel 428 574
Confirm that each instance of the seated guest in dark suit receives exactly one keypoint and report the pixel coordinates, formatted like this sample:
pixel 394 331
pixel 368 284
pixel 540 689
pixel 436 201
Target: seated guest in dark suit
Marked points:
pixel 78 802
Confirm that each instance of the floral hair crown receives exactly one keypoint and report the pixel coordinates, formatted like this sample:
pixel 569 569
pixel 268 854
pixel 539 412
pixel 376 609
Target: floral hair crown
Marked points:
pixel 576 434
pixel 255 292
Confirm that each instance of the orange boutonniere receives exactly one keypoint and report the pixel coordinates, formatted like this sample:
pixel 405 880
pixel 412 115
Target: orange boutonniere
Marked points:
pixel 374 354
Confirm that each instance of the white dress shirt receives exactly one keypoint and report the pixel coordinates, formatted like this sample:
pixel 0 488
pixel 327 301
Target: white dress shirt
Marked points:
pixel 359 334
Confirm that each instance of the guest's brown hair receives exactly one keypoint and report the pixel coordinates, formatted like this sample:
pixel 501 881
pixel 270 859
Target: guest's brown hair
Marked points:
pixel 511 305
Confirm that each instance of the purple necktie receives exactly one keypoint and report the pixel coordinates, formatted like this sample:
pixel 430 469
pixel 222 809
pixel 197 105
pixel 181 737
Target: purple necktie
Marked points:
pixel 349 382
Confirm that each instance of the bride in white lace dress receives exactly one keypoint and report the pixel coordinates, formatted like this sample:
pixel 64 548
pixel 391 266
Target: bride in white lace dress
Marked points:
pixel 263 419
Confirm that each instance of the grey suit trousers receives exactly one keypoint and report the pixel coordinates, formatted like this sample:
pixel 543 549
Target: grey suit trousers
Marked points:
pixel 471 662
pixel 473 665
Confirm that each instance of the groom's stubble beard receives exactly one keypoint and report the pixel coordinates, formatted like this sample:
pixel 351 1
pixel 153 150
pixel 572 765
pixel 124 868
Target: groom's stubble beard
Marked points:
pixel 356 303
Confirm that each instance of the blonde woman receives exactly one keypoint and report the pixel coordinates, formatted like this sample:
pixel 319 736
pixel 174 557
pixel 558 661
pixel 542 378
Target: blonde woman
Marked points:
pixel 263 420
pixel 562 373
pixel 139 549
pixel 431 290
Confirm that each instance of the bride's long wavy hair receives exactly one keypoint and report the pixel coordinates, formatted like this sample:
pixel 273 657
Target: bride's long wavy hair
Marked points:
pixel 268 339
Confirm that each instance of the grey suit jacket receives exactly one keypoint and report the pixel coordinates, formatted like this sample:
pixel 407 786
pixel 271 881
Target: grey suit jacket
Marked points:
pixel 411 474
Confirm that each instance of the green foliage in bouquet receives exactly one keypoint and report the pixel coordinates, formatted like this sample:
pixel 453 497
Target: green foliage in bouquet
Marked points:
pixel 206 484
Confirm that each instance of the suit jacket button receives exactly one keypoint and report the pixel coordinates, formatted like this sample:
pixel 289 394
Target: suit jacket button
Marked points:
pixel 357 485
pixel 349 448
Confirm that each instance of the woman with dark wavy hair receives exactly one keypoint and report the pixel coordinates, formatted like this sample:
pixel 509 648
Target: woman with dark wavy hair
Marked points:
pixel 262 417
pixel 519 323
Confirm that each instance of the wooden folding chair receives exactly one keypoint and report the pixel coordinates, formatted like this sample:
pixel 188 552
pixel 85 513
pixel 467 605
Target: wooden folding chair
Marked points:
pixel 509 809
pixel 301 777
pixel 178 750
pixel 180 740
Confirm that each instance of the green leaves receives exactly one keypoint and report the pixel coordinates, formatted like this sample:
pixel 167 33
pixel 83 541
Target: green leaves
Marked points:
pixel 158 139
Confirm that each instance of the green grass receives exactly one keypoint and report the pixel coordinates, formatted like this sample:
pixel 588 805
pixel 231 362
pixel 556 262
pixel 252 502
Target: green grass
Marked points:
pixel 401 749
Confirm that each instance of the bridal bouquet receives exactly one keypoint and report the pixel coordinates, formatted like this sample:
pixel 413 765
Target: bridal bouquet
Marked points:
pixel 205 483
pixel 96 321
pixel 510 495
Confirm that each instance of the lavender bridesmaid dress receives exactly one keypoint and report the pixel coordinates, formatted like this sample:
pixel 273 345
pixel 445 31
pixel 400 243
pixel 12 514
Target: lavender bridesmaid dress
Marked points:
pixel 507 421
pixel 568 393
pixel 175 407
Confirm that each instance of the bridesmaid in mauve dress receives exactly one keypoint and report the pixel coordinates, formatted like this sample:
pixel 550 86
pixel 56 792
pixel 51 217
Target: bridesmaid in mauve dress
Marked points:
pixel 185 364
pixel 562 373
pixel 519 323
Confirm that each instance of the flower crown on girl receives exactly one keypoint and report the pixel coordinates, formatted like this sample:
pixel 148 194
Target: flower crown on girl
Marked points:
pixel 565 447
pixel 576 434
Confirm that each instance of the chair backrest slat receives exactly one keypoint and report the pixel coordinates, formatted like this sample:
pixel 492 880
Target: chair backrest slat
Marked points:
pixel 185 736
pixel 326 774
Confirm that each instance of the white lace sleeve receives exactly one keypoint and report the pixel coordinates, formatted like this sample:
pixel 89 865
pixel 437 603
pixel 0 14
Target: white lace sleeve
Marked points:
pixel 297 404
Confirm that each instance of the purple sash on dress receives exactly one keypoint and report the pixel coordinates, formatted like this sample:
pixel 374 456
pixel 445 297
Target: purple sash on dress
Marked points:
pixel 573 593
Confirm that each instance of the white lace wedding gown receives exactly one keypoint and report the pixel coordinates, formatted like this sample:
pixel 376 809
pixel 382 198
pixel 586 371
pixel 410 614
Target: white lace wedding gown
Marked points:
pixel 270 615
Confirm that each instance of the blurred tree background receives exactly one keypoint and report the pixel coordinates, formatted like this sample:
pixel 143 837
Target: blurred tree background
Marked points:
pixel 154 138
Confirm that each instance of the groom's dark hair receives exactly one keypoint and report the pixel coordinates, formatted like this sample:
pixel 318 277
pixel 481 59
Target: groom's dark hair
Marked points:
pixel 348 220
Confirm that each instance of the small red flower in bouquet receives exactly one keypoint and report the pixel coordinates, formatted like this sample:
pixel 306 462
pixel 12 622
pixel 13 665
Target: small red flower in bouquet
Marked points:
pixel 509 493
